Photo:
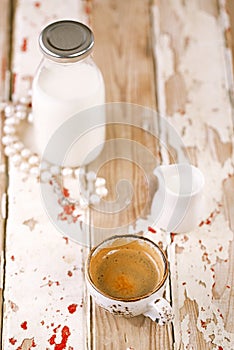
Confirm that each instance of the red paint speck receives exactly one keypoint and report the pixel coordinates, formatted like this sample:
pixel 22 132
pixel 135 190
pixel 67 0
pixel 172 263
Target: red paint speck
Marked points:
pixel 183 283
pixel 50 283
pixel 56 329
pixel 228 287
pixel 37 4
pixel 69 273
pixel 42 323
pixel 33 344
pixel 12 341
pixel 203 324
pixel 24 325
pixel 88 9
pixel 65 192
pixel 72 308
pixel 220 348
pixel 12 258
pixel 172 236
pixel 52 339
pixel 68 209
pixel 65 335
pixel 62 217
pixel 66 239
pixel 24 45
pixel 151 229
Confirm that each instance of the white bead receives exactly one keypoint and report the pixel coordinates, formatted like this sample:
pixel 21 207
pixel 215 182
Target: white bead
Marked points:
pixel 8 129
pixel 9 151
pixel 30 117
pixel 67 171
pixel 45 176
pixel 9 139
pixel 100 182
pixel 95 199
pixel 91 176
pixel 25 153
pixel 11 121
pixel 21 115
pixel 34 159
pixel 18 146
pixel 24 166
pixel 16 159
pixel 102 191
pixel 21 108
pixel 55 169
pixel 9 110
pixel 35 171
pixel 25 100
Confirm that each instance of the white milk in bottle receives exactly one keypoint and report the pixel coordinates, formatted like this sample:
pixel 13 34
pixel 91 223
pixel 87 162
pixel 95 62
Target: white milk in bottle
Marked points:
pixel 67 82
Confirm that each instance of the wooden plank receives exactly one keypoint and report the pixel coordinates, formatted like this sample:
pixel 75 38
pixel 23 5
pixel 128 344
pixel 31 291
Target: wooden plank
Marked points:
pixel 123 50
pixel 44 296
pixel 191 70
pixel 124 54
pixel 5 20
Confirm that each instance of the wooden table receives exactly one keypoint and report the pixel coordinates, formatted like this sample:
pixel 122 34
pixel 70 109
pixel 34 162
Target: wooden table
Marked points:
pixel 176 58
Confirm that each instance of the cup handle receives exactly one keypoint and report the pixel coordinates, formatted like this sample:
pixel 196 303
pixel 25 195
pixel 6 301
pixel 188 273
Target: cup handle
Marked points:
pixel 160 311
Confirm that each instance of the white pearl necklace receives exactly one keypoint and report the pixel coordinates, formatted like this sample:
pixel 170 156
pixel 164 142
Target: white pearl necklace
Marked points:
pixel 29 163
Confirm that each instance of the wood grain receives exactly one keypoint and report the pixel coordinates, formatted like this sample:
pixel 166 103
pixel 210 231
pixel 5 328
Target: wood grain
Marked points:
pixel 186 35
pixel 123 51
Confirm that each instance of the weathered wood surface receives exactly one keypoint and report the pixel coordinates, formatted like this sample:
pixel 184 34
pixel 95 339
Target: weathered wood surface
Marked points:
pixel 191 62
pixel 179 54
pixel 124 53
pixel 44 298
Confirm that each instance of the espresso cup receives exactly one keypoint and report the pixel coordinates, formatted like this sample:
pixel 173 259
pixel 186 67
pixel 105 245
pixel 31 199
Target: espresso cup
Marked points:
pixel 126 276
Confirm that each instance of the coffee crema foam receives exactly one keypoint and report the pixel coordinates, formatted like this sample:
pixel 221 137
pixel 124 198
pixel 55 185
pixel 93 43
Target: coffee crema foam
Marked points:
pixel 126 270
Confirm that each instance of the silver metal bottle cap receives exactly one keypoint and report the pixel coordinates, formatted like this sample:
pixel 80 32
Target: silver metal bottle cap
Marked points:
pixel 66 41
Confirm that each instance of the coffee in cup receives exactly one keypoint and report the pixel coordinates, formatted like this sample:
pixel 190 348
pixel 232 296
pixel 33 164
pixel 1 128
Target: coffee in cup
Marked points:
pixel 126 275
pixel 126 270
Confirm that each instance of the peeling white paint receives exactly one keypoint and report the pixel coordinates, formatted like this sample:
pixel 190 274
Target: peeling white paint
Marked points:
pixel 203 67
pixel 186 332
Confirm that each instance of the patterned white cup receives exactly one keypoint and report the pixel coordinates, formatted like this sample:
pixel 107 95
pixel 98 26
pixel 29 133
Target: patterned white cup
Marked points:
pixel 152 305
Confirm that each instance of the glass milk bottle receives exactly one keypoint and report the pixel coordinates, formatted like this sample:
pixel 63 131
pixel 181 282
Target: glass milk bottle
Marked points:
pixel 67 82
